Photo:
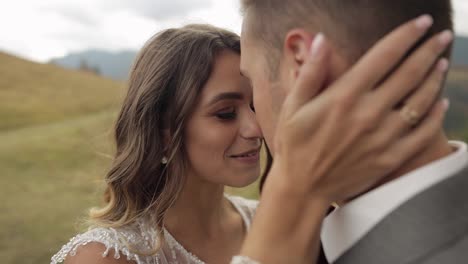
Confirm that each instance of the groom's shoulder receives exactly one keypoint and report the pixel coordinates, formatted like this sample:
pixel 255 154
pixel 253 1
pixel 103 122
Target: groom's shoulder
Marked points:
pixel 455 252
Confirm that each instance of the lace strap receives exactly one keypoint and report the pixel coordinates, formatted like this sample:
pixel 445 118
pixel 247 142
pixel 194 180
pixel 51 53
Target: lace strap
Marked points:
pixel 243 260
pixel 246 208
pixel 109 237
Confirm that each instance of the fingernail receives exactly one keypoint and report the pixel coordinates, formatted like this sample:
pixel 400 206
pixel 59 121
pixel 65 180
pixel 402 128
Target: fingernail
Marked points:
pixel 443 65
pixel 445 37
pixel 317 44
pixel 424 21
pixel 446 104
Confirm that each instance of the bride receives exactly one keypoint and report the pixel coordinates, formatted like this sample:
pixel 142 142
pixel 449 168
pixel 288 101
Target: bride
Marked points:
pixel 186 129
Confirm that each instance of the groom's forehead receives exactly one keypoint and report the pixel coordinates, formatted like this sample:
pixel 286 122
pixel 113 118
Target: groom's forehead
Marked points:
pixel 249 46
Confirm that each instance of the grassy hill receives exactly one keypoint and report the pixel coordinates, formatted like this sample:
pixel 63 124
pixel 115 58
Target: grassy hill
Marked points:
pixel 55 147
pixel 54 141
pixel 33 94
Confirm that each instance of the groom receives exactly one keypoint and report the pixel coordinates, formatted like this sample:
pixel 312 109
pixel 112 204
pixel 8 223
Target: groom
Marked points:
pixel 420 213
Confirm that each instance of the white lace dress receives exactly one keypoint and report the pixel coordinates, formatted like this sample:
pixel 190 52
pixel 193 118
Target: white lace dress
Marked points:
pixel 142 237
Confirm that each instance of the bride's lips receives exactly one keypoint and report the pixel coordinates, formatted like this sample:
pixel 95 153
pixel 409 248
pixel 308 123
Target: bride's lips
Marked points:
pixel 251 156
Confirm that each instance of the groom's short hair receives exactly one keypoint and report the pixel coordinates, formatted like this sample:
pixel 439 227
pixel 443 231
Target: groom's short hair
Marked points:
pixel 352 25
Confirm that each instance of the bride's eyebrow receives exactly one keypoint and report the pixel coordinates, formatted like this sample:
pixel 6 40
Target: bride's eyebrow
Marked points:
pixel 226 96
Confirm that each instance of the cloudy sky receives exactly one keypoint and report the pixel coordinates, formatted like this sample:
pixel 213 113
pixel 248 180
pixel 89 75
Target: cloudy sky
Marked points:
pixel 41 30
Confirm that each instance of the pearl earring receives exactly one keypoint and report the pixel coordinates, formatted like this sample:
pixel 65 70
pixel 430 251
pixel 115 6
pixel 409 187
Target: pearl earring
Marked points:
pixel 164 160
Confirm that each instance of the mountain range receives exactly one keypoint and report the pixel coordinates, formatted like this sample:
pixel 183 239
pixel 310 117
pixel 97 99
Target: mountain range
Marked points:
pixel 116 65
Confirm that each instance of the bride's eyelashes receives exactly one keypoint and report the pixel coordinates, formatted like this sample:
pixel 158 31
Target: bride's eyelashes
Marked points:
pixel 227 114
pixel 230 113
pixel 252 107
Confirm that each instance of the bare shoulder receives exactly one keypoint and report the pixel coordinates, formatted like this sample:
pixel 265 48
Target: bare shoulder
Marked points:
pixel 93 253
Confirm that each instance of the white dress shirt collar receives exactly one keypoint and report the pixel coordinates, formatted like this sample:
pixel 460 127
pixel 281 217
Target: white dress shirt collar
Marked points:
pixel 346 225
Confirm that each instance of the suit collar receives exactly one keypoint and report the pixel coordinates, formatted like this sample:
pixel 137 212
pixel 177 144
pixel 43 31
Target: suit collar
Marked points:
pixel 429 221
pixel 345 226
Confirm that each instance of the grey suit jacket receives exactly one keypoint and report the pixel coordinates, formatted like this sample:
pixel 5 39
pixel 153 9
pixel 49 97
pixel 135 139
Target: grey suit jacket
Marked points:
pixel 430 228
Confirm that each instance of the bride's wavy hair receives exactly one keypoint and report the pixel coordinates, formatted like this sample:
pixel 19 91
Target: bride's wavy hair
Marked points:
pixel 164 86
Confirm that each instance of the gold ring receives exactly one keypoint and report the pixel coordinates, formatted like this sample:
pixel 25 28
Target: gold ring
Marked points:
pixel 409 115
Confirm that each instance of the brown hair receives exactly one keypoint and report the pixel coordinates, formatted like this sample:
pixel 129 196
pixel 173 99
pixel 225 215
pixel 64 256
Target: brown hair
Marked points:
pixel 165 83
pixel 352 25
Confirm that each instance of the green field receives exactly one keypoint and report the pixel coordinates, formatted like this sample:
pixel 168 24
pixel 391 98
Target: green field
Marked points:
pixel 55 147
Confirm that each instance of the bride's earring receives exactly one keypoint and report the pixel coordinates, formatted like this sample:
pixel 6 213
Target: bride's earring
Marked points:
pixel 164 160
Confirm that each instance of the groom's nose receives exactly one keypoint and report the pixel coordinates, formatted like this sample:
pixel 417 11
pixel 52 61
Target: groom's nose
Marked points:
pixel 249 128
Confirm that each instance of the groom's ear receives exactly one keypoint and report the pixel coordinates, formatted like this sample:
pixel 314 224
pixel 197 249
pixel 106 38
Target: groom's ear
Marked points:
pixel 296 47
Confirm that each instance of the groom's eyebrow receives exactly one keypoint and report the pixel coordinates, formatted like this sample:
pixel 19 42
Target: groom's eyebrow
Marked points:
pixel 227 96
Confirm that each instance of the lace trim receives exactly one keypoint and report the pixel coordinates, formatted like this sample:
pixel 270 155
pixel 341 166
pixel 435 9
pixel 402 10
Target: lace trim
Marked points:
pixel 142 237
pixel 110 238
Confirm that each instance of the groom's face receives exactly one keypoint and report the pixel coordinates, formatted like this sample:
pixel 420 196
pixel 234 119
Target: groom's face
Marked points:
pixel 268 90
pixel 271 74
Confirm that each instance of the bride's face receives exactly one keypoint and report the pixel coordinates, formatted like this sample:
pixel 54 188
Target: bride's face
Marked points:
pixel 223 138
